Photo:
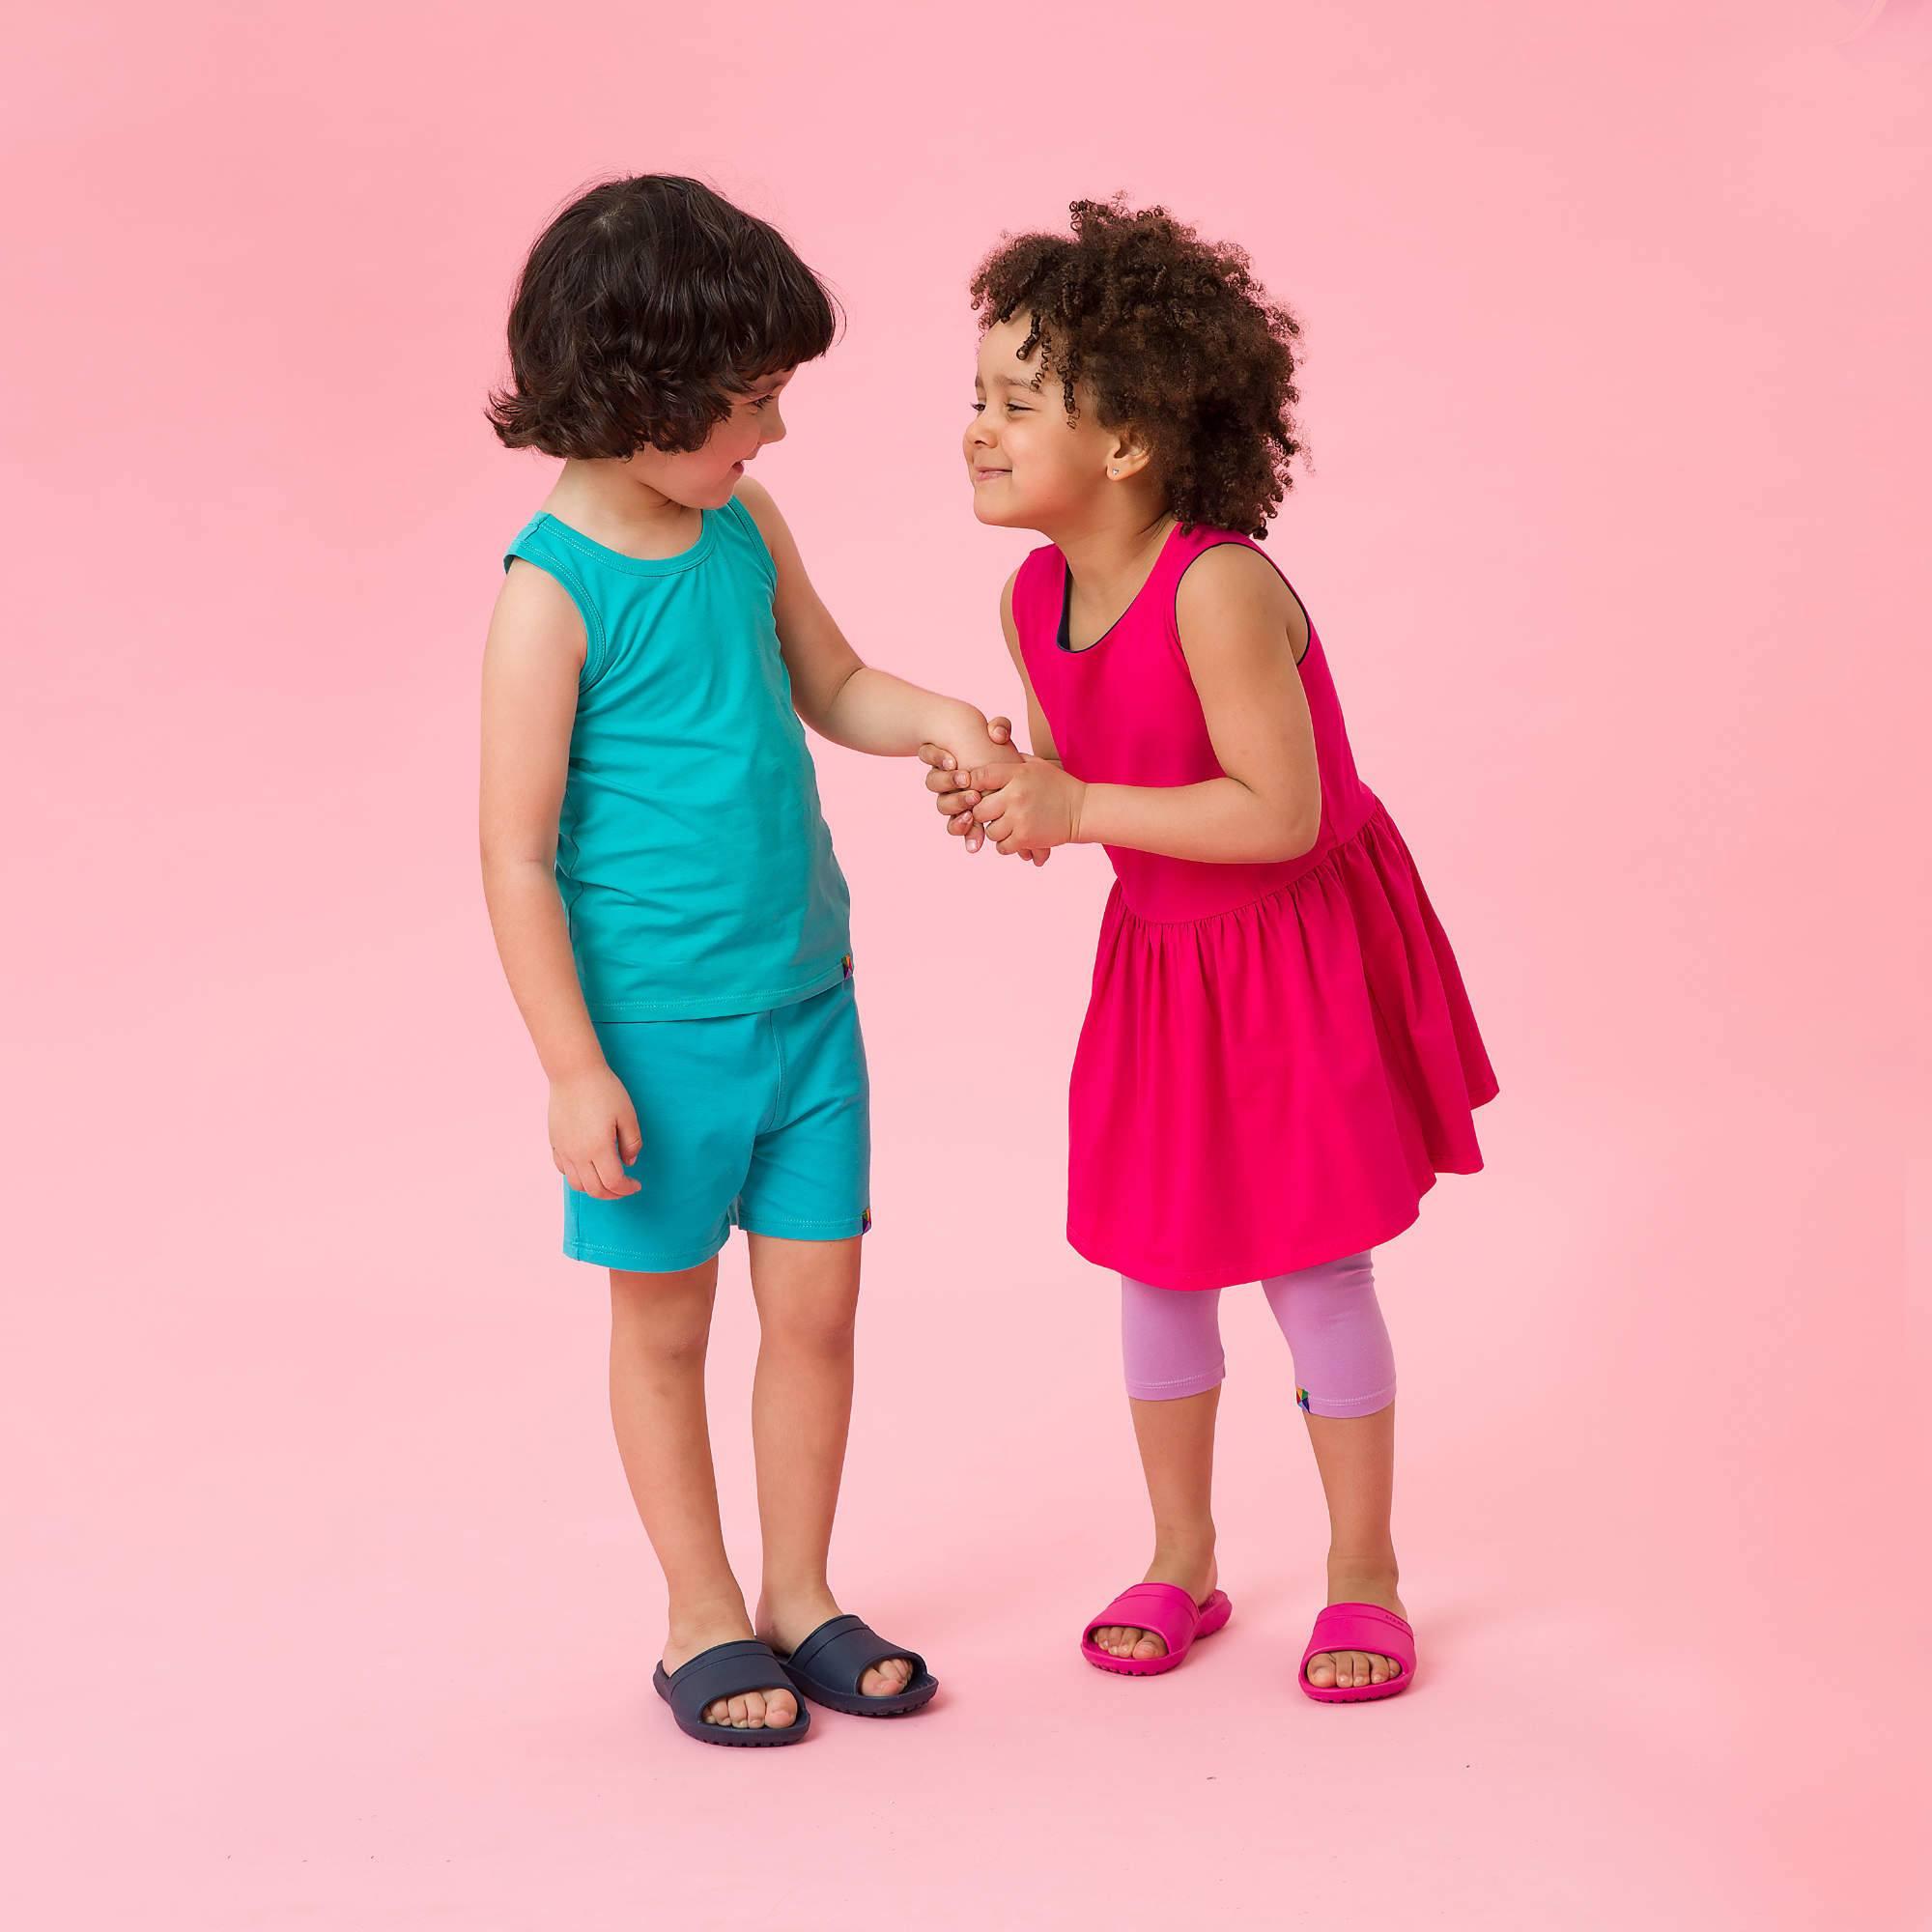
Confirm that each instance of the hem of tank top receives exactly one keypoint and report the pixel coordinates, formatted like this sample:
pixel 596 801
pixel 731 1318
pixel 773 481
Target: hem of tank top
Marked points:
pixel 1379 812
pixel 720 1007
pixel 641 566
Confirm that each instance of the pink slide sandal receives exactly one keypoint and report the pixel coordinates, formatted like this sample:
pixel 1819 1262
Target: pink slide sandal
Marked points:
pixel 1166 1609
pixel 1360 1626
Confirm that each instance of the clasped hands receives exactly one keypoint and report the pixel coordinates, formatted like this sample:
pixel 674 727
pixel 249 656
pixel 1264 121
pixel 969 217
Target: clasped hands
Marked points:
pixel 1026 805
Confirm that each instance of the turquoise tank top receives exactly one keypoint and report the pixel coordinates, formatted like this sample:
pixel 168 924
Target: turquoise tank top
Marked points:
pixel 692 854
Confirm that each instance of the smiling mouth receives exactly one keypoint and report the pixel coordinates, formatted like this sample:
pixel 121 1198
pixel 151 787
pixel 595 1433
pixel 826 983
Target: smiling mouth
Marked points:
pixel 981 475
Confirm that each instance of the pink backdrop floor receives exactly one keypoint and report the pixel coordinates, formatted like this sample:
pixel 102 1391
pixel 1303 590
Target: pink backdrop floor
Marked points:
pixel 324 1605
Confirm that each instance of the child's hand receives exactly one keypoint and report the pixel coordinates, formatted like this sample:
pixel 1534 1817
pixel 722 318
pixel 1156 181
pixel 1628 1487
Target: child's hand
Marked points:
pixel 1029 808
pixel 593 1131
pixel 955 800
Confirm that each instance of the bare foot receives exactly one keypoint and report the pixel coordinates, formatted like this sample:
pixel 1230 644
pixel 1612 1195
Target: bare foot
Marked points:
pixel 785 1626
pixel 1351 1669
pixel 771 1709
pixel 1194 1573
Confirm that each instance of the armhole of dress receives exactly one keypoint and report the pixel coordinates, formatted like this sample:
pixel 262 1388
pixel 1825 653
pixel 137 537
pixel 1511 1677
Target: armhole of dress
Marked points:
pixel 1242 543
pixel 594 652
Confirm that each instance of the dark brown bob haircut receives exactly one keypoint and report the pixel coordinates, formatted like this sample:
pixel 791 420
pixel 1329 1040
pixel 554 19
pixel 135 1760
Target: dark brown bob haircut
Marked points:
pixel 645 308
pixel 1173 338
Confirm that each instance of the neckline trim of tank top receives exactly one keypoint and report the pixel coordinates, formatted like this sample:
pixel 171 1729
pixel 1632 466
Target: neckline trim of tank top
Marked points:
pixel 639 566
pixel 1062 628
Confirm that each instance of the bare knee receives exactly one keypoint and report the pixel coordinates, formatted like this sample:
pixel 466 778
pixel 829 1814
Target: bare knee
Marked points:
pixel 821 1330
pixel 808 1295
pixel 665 1316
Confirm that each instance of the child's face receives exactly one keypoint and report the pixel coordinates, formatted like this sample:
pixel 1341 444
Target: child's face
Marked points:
pixel 705 478
pixel 1031 467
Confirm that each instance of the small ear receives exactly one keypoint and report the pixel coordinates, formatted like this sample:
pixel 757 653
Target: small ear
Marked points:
pixel 1129 456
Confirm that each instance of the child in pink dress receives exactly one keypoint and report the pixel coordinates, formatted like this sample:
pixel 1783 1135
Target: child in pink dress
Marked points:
pixel 1279 1056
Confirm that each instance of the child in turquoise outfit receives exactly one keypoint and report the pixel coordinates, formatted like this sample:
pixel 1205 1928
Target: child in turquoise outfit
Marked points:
pixel 669 913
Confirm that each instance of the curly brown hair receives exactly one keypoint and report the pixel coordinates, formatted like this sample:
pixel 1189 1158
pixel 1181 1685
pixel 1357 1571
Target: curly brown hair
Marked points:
pixel 646 306
pixel 1171 335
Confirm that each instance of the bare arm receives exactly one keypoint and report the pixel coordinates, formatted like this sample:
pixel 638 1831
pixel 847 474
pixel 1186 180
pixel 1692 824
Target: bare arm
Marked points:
pixel 531 666
pixel 955 786
pixel 837 693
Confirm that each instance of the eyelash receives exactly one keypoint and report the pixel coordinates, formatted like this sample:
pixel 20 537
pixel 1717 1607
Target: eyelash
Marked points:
pixel 759 403
pixel 1018 409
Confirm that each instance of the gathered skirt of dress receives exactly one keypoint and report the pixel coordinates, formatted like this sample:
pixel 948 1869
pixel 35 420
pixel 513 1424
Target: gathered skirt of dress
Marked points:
pixel 1276 1085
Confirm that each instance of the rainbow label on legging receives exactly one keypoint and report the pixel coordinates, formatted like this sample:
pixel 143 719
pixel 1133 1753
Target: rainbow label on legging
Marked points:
pixel 1301 1398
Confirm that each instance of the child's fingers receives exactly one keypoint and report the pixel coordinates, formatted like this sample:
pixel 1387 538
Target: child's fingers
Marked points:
pixel 630 1136
pixel 952 802
pixel 588 1181
pixel 611 1179
pixel 944 778
pixel 938 757
pixel 1000 731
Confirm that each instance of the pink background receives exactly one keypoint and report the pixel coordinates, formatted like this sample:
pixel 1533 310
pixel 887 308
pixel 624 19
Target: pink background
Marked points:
pixel 325 1598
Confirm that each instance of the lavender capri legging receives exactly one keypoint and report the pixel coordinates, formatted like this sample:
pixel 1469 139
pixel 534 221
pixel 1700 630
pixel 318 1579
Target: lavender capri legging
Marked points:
pixel 1171 1338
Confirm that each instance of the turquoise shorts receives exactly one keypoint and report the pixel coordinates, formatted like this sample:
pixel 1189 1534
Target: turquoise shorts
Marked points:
pixel 755 1121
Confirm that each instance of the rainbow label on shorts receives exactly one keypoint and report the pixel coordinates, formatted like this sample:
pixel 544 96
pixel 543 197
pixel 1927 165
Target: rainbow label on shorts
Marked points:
pixel 1301 1398
pixel 848 965
pixel 865 1222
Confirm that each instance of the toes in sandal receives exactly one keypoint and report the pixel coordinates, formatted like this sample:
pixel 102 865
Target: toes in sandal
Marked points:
pixel 1166 1609
pixel 832 1662
pixel 727 1670
pixel 1365 1627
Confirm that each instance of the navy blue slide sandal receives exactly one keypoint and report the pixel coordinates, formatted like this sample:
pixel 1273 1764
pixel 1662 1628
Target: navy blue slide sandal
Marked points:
pixel 832 1662
pixel 727 1670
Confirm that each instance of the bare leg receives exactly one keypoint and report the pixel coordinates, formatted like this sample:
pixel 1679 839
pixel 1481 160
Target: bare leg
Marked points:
pixel 660 1324
pixel 808 1296
pixel 1176 1444
pixel 1356 1457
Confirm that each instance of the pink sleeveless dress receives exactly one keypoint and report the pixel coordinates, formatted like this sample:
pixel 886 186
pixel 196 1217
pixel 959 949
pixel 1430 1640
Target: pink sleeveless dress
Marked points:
pixel 1277 1061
